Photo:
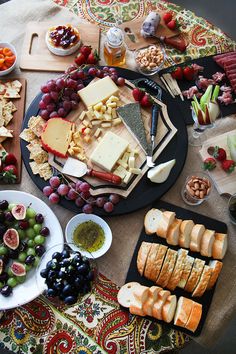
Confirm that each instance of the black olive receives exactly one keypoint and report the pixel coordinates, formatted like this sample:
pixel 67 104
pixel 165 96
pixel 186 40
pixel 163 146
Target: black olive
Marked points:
pixel 29 259
pixel 6 290
pixel 3 277
pixel 4 204
pixel 40 250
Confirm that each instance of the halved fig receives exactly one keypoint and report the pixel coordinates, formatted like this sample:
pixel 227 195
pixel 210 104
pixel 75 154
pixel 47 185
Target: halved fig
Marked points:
pixel 18 269
pixel 19 211
pixel 1 266
pixel 11 239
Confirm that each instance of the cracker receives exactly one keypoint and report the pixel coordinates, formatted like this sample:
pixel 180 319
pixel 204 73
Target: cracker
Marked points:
pixel 34 167
pixel 2 88
pixel 39 157
pixel 16 85
pixel 2 121
pixel 45 171
pixel 7 117
pixel 11 93
pixel 37 126
pixel 27 135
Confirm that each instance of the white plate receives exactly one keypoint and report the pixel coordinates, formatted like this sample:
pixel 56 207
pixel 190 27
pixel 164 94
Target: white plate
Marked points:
pixel 29 290
pixel 79 219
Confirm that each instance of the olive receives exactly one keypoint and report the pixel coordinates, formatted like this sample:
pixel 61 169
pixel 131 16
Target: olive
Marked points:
pixel 44 231
pixel 69 300
pixel 24 224
pixel 6 290
pixel 4 277
pixel 23 246
pixel 44 273
pixel 30 259
pixel 9 217
pixel 40 250
pixel 4 204
pixel 39 218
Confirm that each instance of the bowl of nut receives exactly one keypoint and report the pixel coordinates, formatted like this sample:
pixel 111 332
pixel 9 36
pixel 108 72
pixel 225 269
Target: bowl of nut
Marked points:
pixel 149 60
pixel 197 188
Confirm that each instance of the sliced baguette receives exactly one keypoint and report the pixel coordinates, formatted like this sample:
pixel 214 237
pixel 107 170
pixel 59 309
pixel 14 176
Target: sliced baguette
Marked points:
pixel 178 269
pixel 166 220
pixel 152 220
pixel 142 256
pixel 158 305
pixel 219 246
pixel 172 237
pixel 157 264
pixel 126 295
pixel 150 260
pixel 183 311
pixel 186 272
pixel 140 293
pixel 216 267
pixel 152 298
pixel 167 268
pixel 208 239
pixel 195 274
pixel 185 233
pixel 196 237
pixel 168 310
pixel 194 318
pixel 136 308
pixel 203 282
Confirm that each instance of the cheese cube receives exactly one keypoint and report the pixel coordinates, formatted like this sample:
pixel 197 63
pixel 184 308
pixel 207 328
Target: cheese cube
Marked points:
pixel 122 163
pixel 111 104
pixel 82 115
pixel 113 99
pixel 98 91
pixel 135 171
pixel 131 162
pixel 86 123
pixel 96 122
pixel 109 110
pixel 108 151
pixel 116 121
pixel 98 115
pixel 98 106
pixel 127 177
pixel 106 125
pixel 107 116
pixel 89 115
pixel 97 132
pixel 103 109
pixel 113 113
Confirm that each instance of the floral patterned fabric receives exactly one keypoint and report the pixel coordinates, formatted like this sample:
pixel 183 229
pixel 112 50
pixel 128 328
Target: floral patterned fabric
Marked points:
pixel 94 326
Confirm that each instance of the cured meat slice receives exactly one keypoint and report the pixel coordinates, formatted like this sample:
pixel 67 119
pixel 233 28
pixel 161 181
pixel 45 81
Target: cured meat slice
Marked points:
pixel 218 77
pixel 191 92
pixel 203 82
pixel 226 88
pixel 226 98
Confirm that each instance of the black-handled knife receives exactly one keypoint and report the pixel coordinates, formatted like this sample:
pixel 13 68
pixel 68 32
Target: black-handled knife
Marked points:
pixel 153 133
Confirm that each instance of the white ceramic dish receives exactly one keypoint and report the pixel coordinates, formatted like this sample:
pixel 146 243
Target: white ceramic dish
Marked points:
pixel 60 51
pixel 144 70
pixel 13 49
pixel 79 219
pixel 29 290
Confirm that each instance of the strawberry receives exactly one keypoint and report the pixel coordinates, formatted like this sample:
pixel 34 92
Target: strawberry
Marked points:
pixel 177 73
pixel 146 101
pixel 9 174
pixel 209 164
pixel 167 17
pixel 10 168
pixel 228 165
pixel 85 50
pixel 219 153
pixel 80 59
pixel 188 73
pixel 9 159
pixel 172 25
pixel 138 94
pixel 93 58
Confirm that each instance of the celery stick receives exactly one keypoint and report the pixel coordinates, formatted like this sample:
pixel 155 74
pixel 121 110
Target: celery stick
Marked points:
pixel 215 93
pixel 194 107
pixel 231 142
pixel 205 99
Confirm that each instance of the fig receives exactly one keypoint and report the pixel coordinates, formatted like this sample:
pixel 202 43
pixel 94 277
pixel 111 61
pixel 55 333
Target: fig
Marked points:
pixel 18 269
pixel 19 211
pixel 1 266
pixel 11 239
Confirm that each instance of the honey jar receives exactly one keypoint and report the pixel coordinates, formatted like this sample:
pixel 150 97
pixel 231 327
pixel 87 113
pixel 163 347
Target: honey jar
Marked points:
pixel 114 47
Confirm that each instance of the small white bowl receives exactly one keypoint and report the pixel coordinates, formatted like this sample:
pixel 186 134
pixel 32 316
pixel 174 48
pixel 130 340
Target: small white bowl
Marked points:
pixel 13 49
pixel 79 219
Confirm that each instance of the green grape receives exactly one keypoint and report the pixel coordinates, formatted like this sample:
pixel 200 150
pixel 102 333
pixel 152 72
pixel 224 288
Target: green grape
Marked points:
pixel 22 234
pixel 37 260
pixel 31 222
pixel 1 285
pixel 11 206
pixel 9 272
pixel 39 240
pixel 31 243
pixel 3 250
pixel 30 251
pixel 28 267
pixel 30 232
pixel 12 282
pixel 21 279
pixel 37 228
pixel 30 213
pixel 22 256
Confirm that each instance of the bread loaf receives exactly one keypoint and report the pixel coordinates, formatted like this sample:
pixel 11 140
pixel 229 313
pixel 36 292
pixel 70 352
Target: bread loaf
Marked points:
pixel 195 274
pixel 148 272
pixel 157 307
pixel 216 267
pixel 203 282
pixel 178 269
pixel 152 298
pixel 186 272
pixel 194 318
pixel 167 268
pixel 142 256
pixel 126 295
pixel 207 242
pixel 140 293
pixel 166 220
pixel 219 246
pixel 136 308
pixel 172 237
pixel 152 220
pixel 155 271
pixel 196 237
pixel 168 309
pixel 183 310
pixel 185 233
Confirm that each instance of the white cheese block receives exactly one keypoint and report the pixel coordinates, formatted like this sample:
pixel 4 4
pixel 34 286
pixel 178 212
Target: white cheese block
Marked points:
pixel 108 151
pixel 99 91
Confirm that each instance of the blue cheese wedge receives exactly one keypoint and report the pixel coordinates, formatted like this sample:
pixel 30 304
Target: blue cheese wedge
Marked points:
pixel 108 151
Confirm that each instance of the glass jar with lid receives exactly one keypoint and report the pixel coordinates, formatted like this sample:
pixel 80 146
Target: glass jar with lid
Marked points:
pixel 114 47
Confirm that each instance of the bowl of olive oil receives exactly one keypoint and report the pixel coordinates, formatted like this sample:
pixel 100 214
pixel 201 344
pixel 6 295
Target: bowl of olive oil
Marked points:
pixel 89 234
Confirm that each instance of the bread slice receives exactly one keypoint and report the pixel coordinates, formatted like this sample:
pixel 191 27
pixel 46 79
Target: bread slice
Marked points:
pixel 167 268
pixel 208 239
pixel 152 220
pixel 185 233
pixel 158 305
pixel 219 246
pixel 157 264
pixel 136 308
pixel 142 256
pixel 178 269
pixel 172 237
pixel 183 311
pixel 203 282
pixel 196 237
pixel 195 317
pixel 167 219
pixel 186 272
pixel 216 267
pixel 126 294
pixel 150 260
pixel 140 293
pixel 152 298
pixel 168 310
pixel 195 274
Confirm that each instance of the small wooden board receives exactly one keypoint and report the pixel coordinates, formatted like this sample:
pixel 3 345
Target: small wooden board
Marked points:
pixel 36 56
pixel 13 144
pixel 133 38
pixel 224 183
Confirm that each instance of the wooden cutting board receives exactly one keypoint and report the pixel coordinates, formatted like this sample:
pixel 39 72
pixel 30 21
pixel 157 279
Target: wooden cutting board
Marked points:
pixel 13 144
pixel 166 132
pixel 224 183
pixel 133 38
pixel 36 55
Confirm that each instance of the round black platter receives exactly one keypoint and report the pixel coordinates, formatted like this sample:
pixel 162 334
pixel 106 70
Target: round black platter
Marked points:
pixel 145 192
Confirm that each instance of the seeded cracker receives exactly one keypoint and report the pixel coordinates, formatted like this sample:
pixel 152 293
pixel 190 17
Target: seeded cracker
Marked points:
pixel 27 135
pixel 34 167
pixel 45 171
pixel 39 157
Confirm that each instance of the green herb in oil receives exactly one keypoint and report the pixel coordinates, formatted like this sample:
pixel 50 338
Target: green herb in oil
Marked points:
pixel 89 235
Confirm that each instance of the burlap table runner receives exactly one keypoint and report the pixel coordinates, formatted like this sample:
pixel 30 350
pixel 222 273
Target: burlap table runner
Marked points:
pixel 126 229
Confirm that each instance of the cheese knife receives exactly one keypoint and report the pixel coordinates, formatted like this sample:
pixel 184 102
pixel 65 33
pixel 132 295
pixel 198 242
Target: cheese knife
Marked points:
pixel 153 133
pixel 76 168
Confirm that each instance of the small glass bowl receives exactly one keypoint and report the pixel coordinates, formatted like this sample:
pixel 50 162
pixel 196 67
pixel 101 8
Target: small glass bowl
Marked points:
pixel 145 70
pixel 232 208
pixel 197 188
